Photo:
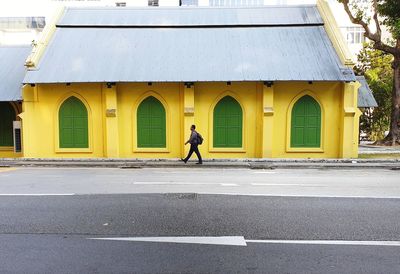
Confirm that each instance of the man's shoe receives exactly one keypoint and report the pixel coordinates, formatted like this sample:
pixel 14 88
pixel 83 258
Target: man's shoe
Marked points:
pixel 199 163
pixel 183 160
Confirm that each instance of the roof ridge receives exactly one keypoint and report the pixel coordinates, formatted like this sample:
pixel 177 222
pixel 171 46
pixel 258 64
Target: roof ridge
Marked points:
pixel 189 7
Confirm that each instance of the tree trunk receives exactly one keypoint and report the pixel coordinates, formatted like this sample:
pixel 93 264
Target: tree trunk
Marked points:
pixel 394 134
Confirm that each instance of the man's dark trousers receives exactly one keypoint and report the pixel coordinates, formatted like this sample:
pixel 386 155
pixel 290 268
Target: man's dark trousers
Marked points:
pixel 193 148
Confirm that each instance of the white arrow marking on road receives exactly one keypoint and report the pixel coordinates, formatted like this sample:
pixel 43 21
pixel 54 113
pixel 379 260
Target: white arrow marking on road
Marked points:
pixel 225 240
pixel 240 241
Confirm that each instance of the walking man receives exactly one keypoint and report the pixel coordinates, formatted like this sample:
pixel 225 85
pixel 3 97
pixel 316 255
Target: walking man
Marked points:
pixel 194 145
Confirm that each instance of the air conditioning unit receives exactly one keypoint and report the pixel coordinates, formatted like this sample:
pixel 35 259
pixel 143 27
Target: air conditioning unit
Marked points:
pixel 17 136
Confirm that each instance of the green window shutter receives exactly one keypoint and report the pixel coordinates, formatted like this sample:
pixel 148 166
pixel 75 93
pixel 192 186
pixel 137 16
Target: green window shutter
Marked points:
pixel 73 124
pixel 228 119
pixel 7 116
pixel 306 123
pixel 151 131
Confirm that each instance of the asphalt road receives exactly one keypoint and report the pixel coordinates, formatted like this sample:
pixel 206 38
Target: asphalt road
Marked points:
pixel 53 234
pixel 251 221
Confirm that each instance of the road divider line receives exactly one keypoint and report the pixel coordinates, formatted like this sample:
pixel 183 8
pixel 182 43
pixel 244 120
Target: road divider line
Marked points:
pixel 37 194
pixel 277 184
pixel 295 195
pixel 172 183
pixel 229 184
pixel 327 242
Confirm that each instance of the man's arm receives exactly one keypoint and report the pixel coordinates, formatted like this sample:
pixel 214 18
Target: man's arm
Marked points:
pixel 192 137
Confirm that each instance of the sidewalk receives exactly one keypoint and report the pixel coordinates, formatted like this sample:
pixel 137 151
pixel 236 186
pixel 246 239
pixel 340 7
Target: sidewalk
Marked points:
pixel 208 163
pixel 249 163
pixel 371 149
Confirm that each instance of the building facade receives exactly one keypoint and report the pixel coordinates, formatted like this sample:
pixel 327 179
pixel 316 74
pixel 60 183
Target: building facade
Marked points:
pixel 128 83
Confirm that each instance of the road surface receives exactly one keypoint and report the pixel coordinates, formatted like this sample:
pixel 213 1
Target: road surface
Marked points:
pixel 103 221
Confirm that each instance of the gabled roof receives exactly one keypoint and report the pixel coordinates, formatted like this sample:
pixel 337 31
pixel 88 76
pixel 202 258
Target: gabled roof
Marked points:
pixel 365 97
pixel 286 43
pixel 12 71
pixel 194 17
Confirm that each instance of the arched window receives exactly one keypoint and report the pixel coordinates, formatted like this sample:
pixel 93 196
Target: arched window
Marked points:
pixel 7 116
pixel 151 124
pixel 228 117
pixel 306 123
pixel 73 124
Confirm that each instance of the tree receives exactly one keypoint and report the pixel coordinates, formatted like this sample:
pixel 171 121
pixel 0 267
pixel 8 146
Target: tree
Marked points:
pixel 375 65
pixel 384 13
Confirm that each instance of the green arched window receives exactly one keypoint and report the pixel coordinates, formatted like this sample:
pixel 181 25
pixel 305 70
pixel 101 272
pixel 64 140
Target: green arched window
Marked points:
pixel 73 124
pixel 306 123
pixel 151 124
pixel 228 119
pixel 7 116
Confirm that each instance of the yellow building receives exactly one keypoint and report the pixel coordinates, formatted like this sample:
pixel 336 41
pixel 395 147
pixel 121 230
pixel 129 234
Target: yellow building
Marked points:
pixel 271 82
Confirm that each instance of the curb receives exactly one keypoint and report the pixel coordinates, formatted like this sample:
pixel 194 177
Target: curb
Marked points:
pixel 215 164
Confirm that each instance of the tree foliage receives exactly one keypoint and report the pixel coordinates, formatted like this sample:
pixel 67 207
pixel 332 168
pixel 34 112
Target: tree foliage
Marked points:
pixel 375 65
pixel 372 15
pixel 390 11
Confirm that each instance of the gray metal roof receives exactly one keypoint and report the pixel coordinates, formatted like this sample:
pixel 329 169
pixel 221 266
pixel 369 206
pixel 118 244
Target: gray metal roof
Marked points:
pixel 187 54
pixel 365 96
pixel 181 16
pixel 12 71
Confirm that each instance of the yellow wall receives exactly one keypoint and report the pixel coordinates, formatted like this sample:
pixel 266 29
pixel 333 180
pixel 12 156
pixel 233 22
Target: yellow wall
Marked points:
pixel 266 118
pixel 207 95
pixel 40 119
pixel 328 96
pixel 129 98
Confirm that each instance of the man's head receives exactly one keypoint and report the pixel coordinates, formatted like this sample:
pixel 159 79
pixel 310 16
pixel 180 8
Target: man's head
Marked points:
pixel 193 127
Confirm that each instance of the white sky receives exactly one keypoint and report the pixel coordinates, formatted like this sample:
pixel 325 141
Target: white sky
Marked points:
pixel 9 8
pixel 22 8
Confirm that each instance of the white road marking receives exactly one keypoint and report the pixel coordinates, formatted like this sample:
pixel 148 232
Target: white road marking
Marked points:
pixel 37 194
pixel 225 240
pixel 327 242
pixel 277 184
pixel 241 241
pixel 228 184
pixel 172 183
pixel 296 195
pixel 264 172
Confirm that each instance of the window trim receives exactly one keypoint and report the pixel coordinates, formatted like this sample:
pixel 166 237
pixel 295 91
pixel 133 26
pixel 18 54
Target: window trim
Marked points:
pixel 135 148
pixel 291 149
pixel 211 148
pixel 57 148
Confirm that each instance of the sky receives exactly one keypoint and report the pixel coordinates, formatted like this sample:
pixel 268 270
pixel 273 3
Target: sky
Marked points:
pixel 11 8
